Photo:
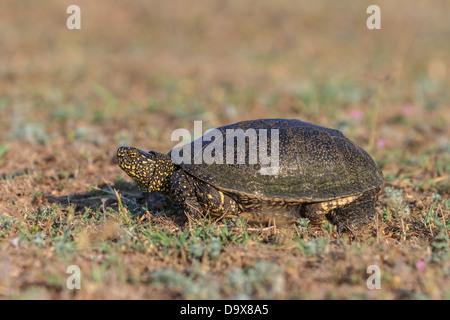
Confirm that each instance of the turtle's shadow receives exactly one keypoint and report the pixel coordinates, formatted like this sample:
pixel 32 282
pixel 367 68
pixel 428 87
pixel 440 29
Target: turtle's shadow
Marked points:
pixel 104 197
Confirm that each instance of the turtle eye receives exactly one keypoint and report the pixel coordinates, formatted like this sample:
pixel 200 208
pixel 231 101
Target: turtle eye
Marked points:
pixel 131 153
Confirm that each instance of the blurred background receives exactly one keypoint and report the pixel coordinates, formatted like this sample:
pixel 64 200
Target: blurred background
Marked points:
pixel 143 68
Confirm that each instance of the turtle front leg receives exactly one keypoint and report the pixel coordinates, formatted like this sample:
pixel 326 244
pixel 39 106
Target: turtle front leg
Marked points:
pixel 315 212
pixel 352 217
pixel 216 202
pixel 198 199
pixel 182 192
pixel 355 214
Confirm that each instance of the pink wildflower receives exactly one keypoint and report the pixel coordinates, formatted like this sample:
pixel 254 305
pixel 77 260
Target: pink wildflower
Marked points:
pixel 381 143
pixel 407 110
pixel 356 114
pixel 421 265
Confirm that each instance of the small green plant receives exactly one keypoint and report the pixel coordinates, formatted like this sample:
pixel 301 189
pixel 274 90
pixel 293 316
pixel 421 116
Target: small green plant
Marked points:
pixel 107 96
pixel 33 133
pixel 210 248
pixel 327 227
pixel 313 248
pixel 430 220
pixel 395 200
pixel 440 246
pixel 4 148
pixel 387 215
pixel 195 284
pixel 264 280
pixel 303 225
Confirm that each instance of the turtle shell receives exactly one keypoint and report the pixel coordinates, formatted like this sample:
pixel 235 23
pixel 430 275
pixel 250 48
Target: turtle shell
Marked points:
pixel 306 162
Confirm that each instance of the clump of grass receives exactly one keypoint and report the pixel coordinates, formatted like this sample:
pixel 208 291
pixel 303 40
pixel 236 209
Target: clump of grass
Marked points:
pixel 395 199
pixel 313 249
pixel 4 148
pixel 396 207
pixel 193 285
pixel 433 219
pixel 205 249
pixel 33 133
pixel 7 224
pixel 234 231
pixel 263 280
pixel 201 242
pixel 303 225
pixel 440 246
pixel 107 96
pixel 327 227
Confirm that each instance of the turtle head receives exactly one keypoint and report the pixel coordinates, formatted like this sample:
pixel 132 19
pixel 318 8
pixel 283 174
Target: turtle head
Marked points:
pixel 151 170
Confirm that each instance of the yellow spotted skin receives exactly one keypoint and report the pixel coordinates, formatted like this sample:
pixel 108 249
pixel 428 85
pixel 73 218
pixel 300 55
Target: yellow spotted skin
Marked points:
pixel 155 172
pixel 151 170
pixel 322 176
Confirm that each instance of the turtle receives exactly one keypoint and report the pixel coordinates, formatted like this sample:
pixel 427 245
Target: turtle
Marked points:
pixel 314 172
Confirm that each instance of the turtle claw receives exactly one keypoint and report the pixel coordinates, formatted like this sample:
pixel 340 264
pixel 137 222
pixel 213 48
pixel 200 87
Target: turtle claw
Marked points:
pixel 345 226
